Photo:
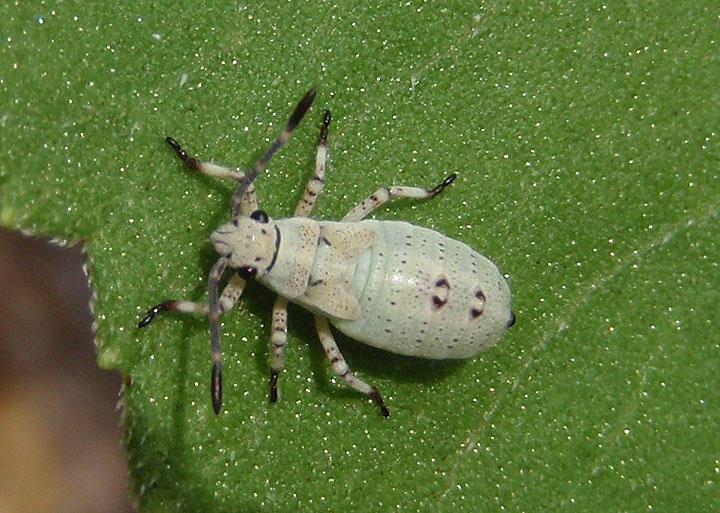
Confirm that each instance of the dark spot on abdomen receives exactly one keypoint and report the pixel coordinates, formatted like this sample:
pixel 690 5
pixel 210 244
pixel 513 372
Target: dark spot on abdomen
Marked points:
pixel 475 313
pixel 438 303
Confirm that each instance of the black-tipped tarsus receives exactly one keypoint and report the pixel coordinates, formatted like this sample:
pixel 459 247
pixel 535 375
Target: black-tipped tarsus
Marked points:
pixel 378 400
pixel 152 312
pixel 273 386
pixel 182 154
pixel 324 127
pixel 439 188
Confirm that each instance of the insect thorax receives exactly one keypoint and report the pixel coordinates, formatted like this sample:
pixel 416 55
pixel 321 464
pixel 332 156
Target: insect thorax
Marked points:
pixel 294 256
pixel 316 265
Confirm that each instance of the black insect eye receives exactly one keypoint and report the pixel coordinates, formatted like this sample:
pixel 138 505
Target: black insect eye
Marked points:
pixel 247 271
pixel 259 216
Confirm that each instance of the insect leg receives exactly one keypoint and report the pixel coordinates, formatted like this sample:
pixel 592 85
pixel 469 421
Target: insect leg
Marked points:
pixel 230 294
pixel 317 182
pixel 246 202
pixel 340 366
pixel 383 195
pixel 278 341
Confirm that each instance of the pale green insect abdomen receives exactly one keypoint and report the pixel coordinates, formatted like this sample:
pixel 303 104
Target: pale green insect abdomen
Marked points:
pixel 424 294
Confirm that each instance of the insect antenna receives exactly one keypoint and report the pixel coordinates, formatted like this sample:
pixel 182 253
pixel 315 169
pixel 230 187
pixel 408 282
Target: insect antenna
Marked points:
pixel 213 316
pixel 293 122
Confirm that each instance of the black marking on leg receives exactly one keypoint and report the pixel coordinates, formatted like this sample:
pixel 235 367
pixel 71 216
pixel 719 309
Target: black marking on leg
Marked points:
pixel 151 313
pixel 273 386
pixel 216 387
pixel 439 188
pixel 378 400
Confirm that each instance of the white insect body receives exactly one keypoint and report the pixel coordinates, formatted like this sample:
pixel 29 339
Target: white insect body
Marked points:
pixel 392 285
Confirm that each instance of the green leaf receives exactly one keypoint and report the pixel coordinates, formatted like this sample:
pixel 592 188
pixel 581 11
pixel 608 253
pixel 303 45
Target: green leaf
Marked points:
pixel 586 141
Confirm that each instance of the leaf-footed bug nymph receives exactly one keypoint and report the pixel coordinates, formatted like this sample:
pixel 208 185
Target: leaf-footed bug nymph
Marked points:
pixel 389 284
